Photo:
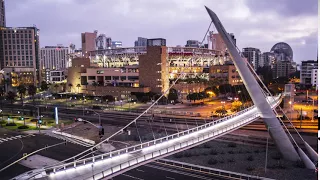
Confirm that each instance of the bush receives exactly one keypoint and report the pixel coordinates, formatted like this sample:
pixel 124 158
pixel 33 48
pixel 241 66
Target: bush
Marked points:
pixel 205 153
pixel 23 127
pixel 248 152
pixel 256 151
pixel 206 145
pixel 232 144
pixel 11 124
pixel 188 154
pixel 221 161
pixel 299 164
pixel 240 152
pixel 212 161
pixel 178 155
pixel 250 168
pixel 230 152
pixel 250 158
pixel 222 152
pixel 277 156
pixel 231 160
pixel 213 152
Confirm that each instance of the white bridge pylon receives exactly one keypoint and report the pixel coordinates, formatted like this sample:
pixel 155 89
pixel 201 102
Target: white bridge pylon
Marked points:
pixel 116 162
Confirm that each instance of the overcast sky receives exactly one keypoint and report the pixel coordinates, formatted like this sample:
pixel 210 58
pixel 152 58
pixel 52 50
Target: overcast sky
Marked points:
pixel 255 23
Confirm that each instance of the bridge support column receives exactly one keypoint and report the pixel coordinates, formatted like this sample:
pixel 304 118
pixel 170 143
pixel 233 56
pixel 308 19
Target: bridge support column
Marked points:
pixel 279 136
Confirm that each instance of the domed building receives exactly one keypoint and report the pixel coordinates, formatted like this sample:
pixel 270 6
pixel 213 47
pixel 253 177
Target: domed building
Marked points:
pixel 282 52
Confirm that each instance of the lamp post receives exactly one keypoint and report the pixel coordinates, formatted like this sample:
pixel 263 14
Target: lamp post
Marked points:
pixel 95 113
pixel 312 110
pixel 290 110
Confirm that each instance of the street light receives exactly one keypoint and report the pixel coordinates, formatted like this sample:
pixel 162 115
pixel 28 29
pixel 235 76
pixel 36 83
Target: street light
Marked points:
pixel 290 110
pixel 95 113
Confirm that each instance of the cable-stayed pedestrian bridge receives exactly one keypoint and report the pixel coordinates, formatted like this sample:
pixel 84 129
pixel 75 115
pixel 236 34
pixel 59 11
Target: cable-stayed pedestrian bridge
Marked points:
pixel 110 164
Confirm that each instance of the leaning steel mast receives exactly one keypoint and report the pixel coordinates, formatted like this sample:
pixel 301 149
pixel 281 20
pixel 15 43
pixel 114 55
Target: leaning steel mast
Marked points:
pixel 275 129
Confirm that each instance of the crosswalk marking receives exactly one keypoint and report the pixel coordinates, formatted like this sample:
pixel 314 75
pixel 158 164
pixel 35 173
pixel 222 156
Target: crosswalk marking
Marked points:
pixel 15 137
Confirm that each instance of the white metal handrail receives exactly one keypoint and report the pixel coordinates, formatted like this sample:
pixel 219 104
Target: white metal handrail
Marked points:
pixel 153 142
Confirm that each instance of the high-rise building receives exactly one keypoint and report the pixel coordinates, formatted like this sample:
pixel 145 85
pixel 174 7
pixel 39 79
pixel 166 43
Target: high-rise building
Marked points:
pixel 2 14
pixel 20 54
pixel 88 40
pixel 116 44
pixel 54 57
pixel 283 69
pixel 217 42
pixel 140 42
pixel 267 59
pixel 103 42
pixel 308 72
pixel 253 56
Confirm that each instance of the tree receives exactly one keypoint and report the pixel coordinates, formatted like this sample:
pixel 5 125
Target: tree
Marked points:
pixel 32 90
pixel 44 86
pixel 11 96
pixel 173 95
pixel 108 98
pixel 235 106
pixel 1 95
pixel 70 86
pixel 78 86
pixel 22 91
pixel 221 111
pixel 225 88
pixel 56 87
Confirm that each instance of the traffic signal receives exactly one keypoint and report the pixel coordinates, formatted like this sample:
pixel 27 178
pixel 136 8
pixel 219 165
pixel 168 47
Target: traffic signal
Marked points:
pixel 102 131
pixel 39 121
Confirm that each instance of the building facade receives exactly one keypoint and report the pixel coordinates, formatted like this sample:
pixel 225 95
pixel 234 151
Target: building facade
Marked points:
pixel 20 54
pixel 2 14
pixel 141 42
pixel 216 42
pixel 88 42
pixel 116 44
pixel 308 72
pixel 193 43
pixel 267 59
pixel 54 76
pixel 103 42
pixel 283 69
pixel 225 74
pixel 253 56
pixel 54 57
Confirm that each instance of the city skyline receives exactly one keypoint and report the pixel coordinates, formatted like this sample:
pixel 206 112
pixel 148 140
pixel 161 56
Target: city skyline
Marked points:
pixel 255 24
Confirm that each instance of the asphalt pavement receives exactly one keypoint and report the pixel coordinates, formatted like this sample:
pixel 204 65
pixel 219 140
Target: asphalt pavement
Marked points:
pixel 13 149
pixel 157 171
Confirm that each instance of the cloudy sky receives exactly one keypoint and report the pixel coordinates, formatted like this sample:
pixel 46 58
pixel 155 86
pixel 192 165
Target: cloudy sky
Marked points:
pixel 255 23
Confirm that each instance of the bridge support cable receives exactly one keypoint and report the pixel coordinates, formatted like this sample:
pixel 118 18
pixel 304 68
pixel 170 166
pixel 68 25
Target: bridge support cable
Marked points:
pixel 138 132
pixel 149 122
pixel 206 33
pixel 165 129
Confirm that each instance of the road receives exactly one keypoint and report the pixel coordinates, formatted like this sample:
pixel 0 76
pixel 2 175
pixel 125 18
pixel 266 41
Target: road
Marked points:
pixel 160 171
pixel 14 147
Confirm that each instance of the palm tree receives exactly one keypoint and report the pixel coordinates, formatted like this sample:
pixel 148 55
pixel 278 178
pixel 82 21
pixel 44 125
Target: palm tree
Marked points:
pixel 32 90
pixel 78 86
pixel 70 86
pixel 6 82
pixel 11 96
pixel 22 91
pixel 86 84
pixel 1 95
pixel 56 87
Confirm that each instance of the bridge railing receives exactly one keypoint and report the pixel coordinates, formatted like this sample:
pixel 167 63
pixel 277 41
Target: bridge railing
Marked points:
pixel 139 147
pixel 176 147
